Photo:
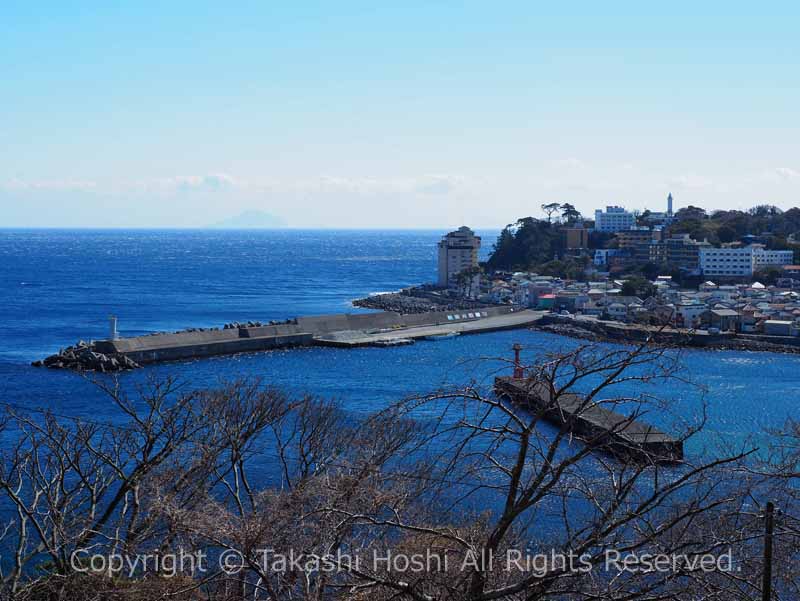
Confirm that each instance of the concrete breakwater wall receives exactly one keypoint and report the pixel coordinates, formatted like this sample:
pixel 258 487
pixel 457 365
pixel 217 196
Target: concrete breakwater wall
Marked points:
pixel 298 332
pixel 177 347
pixel 608 430
pixel 325 324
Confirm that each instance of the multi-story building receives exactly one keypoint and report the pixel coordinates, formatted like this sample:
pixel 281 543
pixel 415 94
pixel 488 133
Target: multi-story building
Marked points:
pixel 621 260
pixel 576 238
pixel 458 251
pixel 602 256
pixel 614 219
pixel 727 262
pixel 741 262
pixel 679 250
pixel 779 258
pixel 638 241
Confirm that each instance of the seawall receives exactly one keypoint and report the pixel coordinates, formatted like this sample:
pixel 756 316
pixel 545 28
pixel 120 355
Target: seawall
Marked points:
pixel 303 331
pixel 611 331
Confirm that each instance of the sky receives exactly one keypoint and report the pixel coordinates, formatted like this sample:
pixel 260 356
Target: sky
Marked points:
pixel 391 114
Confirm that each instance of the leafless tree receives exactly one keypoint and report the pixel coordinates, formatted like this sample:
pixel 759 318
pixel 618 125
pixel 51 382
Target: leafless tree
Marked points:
pixel 75 484
pixel 489 453
pixel 468 482
pixel 483 478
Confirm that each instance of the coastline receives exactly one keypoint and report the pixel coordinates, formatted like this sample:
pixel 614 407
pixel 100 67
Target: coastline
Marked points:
pixel 621 333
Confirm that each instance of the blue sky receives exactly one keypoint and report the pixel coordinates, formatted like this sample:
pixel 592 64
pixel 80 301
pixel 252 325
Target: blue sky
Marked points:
pixel 414 114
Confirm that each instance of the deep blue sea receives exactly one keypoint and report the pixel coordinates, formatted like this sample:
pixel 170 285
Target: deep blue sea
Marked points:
pixel 59 286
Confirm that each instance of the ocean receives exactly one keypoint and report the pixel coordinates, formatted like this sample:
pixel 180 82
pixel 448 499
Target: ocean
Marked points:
pixel 59 286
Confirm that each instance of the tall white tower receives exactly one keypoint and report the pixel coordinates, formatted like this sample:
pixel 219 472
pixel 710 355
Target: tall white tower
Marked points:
pixel 112 327
pixel 669 205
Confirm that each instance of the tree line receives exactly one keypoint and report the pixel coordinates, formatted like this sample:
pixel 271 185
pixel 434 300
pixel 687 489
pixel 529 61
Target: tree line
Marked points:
pixel 776 226
pixel 540 244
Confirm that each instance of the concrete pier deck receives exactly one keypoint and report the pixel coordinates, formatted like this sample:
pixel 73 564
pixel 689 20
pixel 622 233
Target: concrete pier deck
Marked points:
pixel 345 330
pixel 350 338
pixel 616 433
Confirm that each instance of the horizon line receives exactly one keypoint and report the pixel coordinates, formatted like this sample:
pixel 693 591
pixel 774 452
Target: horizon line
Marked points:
pixel 234 229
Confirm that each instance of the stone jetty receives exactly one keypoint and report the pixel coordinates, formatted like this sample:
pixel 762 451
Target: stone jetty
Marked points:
pixel 411 304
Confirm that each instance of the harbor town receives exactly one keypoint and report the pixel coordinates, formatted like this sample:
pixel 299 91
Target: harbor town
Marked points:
pixel 622 277
pixel 420 301
pixel 640 269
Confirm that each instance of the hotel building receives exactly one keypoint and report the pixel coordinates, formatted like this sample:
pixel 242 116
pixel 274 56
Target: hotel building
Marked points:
pixel 458 251
pixel 614 219
pixel 741 262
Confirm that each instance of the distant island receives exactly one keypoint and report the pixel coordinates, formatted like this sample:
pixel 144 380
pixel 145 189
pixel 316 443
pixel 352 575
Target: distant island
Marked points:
pixel 251 219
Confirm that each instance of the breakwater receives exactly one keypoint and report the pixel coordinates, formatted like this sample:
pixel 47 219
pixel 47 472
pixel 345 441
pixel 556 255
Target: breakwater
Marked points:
pixel 416 300
pixel 84 356
pixel 386 328
pixel 344 329
pixel 605 429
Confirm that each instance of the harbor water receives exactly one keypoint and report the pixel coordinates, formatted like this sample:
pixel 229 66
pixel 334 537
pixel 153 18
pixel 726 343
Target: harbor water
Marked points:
pixel 59 286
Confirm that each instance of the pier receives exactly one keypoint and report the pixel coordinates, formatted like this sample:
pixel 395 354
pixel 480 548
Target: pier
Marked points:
pixel 342 330
pixel 482 322
pixel 619 434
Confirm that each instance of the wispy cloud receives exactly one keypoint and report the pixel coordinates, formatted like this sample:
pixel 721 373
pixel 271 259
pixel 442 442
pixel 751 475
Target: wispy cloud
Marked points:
pixel 787 173
pixel 776 175
pixel 440 184
pixel 51 185
pixel 567 163
pixel 423 184
pixel 691 182
pixel 210 182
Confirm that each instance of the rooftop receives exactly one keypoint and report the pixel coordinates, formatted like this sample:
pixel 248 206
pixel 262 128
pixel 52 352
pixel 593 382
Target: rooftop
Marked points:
pixel 725 313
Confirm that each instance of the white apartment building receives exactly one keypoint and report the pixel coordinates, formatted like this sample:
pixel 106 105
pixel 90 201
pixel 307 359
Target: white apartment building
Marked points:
pixel 614 219
pixel 774 257
pixel 741 262
pixel 458 251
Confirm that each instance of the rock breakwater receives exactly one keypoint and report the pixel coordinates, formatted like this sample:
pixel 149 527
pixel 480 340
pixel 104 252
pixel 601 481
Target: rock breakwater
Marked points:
pixel 84 357
pixel 407 304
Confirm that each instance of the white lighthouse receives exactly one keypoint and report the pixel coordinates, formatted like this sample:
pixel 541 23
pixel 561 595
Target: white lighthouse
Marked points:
pixel 112 327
